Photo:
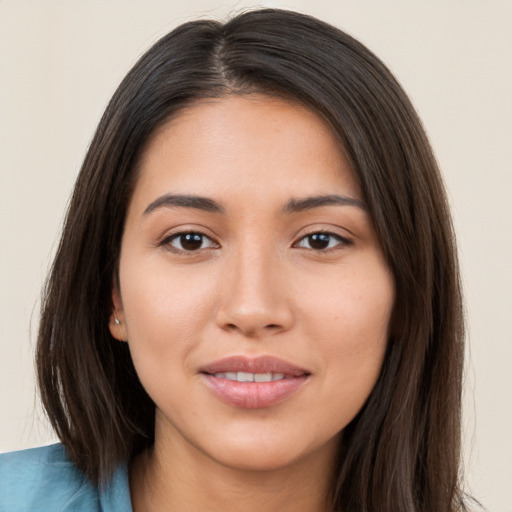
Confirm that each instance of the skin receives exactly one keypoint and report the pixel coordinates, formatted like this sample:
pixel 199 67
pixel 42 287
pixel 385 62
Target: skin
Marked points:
pixel 255 285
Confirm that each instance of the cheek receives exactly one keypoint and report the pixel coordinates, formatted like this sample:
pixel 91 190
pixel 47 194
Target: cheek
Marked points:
pixel 349 321
pixel 354 306
pixel 165 313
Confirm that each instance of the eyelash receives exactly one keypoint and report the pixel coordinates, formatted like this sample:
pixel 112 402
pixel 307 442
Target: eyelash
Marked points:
pixel 167 242
pixel 197 236
pixel 341 241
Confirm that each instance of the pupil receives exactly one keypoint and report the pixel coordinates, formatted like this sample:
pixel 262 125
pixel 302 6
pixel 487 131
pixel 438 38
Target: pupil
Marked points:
pixel 191 241
pixel 319 241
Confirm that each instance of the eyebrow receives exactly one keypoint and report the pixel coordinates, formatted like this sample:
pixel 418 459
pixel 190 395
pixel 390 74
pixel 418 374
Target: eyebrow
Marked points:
pixel 292 206
pixel 185 201
pixel 308 203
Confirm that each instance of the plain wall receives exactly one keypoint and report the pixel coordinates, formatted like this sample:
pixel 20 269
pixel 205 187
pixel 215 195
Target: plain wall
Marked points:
pixel 60 61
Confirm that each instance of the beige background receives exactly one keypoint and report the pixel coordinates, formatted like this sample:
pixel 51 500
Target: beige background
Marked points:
pixel 61 60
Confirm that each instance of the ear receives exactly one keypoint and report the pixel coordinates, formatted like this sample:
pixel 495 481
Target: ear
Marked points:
pixel 117 323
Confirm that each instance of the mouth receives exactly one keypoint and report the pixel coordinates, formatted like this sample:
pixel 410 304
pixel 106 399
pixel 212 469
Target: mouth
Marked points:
pixel 253 383
pixel 251 377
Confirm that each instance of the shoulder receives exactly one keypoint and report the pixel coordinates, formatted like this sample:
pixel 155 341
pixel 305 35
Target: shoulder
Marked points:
pixel 44 479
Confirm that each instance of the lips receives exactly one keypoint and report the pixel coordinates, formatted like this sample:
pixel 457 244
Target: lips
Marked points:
pixel 253 383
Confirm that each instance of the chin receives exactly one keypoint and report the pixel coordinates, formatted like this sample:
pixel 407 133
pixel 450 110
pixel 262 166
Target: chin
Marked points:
pixel 269 455
pixel 255 460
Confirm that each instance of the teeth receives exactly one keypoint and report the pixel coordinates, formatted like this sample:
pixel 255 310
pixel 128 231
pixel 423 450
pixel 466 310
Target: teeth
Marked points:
pixel 250 377
pixel 262 377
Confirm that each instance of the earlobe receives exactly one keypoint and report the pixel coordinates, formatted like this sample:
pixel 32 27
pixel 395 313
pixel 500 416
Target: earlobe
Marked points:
pixel 117 328
pixel 117 324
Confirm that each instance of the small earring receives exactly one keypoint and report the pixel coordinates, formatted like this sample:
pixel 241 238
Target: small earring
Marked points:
pixel 116 321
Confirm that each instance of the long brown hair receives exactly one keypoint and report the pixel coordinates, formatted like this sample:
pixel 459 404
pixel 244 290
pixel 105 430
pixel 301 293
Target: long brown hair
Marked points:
pixel 402 451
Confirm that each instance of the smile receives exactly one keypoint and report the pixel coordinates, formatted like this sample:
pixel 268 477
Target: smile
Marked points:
pixel 253 383
pixel 250 377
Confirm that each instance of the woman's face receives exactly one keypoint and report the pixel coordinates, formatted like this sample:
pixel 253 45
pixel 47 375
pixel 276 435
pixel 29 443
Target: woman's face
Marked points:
pixel 253 293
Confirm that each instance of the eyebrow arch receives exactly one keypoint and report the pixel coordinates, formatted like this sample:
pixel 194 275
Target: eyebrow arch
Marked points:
pixel 184 201
pixel 308 203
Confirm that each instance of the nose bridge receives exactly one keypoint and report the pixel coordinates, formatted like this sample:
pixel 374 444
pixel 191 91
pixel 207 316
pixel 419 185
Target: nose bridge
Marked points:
pixel 254 299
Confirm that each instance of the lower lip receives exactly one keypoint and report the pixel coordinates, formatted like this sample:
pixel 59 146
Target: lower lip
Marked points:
pixel 253 395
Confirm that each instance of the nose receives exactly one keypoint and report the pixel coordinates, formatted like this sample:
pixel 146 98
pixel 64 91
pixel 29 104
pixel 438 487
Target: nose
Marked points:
pixel 254 300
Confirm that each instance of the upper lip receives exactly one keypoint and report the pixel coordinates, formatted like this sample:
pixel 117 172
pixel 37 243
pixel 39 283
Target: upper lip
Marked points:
pixel 260 364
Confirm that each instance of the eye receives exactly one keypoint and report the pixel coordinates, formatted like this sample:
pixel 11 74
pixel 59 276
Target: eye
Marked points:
pixel 188 241
pixel 322 241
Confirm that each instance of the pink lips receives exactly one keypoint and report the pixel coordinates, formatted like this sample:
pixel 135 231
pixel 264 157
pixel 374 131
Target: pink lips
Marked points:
pixel 253 395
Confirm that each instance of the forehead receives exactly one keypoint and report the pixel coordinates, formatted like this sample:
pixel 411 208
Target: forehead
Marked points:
pixel 254 143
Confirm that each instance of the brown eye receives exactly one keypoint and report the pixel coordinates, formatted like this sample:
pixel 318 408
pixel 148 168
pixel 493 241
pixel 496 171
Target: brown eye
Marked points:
pixel 189 242
pixel 322 241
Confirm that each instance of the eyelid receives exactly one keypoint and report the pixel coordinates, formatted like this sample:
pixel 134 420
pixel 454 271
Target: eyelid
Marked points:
pixel 165 240
pixel 169 237
pixel 343 241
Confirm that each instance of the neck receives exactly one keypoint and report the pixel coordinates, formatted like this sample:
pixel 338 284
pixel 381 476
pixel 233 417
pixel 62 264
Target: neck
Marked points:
pixel 162 481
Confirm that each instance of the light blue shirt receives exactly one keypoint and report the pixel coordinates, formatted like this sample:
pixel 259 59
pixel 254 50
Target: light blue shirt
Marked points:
pixel 44 480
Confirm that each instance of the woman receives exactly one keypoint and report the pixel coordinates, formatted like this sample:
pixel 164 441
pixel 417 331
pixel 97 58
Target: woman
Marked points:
pixel 255 304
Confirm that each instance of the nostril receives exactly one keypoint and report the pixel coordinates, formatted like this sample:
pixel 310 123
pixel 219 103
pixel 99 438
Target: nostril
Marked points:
pixel 251 330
